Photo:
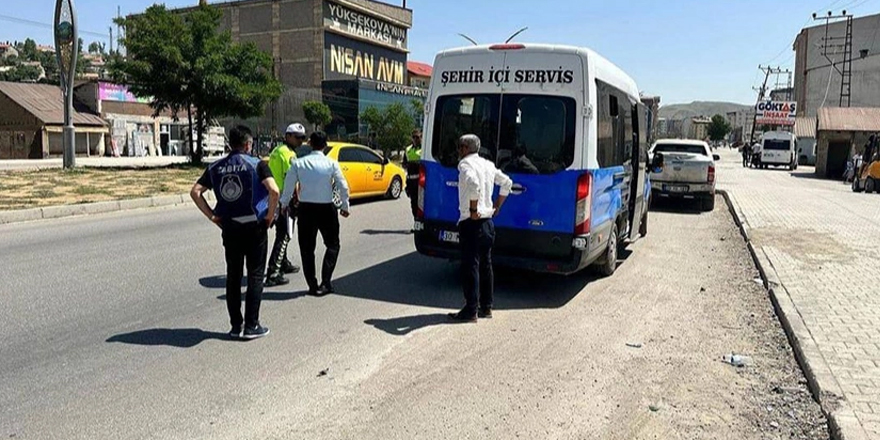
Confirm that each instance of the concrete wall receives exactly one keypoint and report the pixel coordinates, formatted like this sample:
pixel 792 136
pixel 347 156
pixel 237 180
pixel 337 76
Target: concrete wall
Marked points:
pixel 813 70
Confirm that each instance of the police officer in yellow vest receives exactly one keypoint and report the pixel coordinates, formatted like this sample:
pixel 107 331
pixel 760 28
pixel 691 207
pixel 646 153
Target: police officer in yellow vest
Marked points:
pixel 279 163
pixel 411 163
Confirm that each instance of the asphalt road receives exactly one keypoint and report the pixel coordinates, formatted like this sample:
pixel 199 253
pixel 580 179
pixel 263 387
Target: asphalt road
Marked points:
pixel 114 328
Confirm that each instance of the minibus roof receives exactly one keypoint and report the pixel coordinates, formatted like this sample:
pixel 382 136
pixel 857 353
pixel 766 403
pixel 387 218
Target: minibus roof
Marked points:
pixel 605 70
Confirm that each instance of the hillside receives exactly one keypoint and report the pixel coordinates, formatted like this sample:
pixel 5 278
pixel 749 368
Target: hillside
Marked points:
pixel 699 108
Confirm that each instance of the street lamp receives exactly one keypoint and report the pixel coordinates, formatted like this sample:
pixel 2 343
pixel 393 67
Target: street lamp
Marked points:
pixel 67 52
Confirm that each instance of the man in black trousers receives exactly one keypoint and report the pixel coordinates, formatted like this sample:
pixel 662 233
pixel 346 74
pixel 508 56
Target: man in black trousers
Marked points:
pixel 317 177
pixel 477 178
pixel 247 198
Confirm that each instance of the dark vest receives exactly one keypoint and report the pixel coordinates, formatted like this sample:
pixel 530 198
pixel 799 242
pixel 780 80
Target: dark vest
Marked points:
pixel 241 197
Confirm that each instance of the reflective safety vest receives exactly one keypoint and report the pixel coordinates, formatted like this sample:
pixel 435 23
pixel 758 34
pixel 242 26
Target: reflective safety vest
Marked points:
pixel 279 163
pixel 413 154
pixel 241 196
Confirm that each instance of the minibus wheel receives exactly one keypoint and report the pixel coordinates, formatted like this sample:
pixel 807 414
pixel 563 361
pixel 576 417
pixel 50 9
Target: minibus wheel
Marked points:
pixel 609 260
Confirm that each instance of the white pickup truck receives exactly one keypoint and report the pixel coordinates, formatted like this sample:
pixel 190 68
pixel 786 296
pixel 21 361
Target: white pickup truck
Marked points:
pixel 687 171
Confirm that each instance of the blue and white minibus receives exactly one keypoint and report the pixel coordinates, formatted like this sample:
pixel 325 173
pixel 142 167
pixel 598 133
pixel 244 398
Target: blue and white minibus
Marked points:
pixel 566 125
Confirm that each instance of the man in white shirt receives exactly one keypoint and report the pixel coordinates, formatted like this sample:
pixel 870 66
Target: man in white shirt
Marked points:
pixel 476 182
pixel 756 153
pixel 317 177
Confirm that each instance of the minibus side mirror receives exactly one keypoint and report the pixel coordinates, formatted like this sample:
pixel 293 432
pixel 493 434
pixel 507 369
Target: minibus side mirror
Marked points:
pixel 657 163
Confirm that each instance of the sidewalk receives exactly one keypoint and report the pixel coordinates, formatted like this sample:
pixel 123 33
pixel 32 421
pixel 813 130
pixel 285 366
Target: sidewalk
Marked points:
pixel 98 162
pixel 823 243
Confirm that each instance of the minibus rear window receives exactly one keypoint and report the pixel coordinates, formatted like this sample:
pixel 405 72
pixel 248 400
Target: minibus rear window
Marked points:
pixel 773 144
pixel 465 114
pixel 530 134
pixel 680 148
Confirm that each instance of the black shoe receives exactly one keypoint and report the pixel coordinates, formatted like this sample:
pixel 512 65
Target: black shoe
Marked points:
pixel 288 268
pixel 463 316
pixel 326 289
pixel 276 280
pixel 256 332
pixel 235 333
pixel 315 291
pixel 485 313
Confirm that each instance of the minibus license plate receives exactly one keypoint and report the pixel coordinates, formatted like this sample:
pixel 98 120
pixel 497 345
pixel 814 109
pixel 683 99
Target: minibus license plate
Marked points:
pixel 449 236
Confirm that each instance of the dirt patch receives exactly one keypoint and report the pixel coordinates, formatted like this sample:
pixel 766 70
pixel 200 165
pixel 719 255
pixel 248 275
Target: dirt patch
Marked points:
pixel 807 246
pixel 639 355
pixel 34 189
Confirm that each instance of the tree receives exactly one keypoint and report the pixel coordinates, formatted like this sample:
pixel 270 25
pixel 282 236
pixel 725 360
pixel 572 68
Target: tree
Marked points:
pixel 718 128
pixel 21 73
pixel 393 126
pixel 28 50
pixel 317 113
pixel 97 48
pixel 418 109
pixel 50 65
pixel 183 63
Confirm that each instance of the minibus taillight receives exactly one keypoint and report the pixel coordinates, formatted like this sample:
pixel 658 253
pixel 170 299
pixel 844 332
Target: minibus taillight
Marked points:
pixel 711 173
pixel 583 206
pixel 420 213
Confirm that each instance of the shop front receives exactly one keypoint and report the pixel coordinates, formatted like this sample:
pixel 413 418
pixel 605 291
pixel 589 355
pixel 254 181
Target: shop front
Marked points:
pixel 348 99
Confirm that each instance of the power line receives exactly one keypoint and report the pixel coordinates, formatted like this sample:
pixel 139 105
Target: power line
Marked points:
pixel 775 57
pixel 43 25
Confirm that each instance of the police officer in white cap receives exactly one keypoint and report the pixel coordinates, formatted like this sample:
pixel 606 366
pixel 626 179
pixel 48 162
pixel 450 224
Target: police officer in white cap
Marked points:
pixel 279 162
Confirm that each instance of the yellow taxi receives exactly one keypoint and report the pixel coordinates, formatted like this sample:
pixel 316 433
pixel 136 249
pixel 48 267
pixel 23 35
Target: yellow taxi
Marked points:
pixel 367 173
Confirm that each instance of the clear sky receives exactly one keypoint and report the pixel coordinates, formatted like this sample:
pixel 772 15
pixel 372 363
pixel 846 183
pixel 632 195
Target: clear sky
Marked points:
pixel 682 50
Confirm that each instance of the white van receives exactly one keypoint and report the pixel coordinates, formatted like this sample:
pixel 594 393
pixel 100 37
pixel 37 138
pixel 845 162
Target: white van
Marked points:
pixel 566 125
pixel 779 149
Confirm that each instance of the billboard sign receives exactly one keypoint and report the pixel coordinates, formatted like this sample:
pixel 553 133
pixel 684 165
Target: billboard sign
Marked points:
pixel 356 24
pixel 116 92
pixel 345 58
pixel 776 113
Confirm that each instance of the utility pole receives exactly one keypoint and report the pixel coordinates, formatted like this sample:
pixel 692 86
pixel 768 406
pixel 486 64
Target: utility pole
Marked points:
pixel 761 93
pixel 831 48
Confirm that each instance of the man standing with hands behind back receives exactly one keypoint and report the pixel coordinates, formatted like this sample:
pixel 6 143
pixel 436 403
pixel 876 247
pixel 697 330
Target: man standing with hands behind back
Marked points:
pixel 477 178
pixel 247 199
pixel 317 177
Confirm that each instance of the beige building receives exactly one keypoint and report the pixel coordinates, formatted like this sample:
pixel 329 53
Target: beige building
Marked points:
pixel 699 128
pixel 813 72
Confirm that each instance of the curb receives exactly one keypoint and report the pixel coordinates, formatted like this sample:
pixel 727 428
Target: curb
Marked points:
pixel 54 212
pixel 842 422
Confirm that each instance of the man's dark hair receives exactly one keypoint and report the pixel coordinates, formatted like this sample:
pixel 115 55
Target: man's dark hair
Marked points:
pixel 318 140
pixel 239 136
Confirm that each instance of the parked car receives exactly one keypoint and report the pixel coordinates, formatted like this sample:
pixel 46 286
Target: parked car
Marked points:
pixel 688 171
pixel 368 174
